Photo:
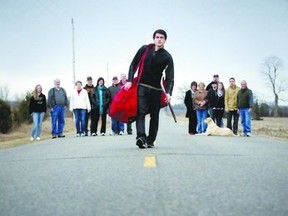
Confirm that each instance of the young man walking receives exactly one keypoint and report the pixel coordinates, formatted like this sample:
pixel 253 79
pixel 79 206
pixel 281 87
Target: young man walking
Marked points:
pixel 149 89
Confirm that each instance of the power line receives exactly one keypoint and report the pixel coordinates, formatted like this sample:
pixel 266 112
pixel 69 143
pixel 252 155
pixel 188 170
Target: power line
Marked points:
pixel 60 8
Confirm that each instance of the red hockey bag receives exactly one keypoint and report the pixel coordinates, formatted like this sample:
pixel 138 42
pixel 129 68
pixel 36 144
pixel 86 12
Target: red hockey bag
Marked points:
pixel 124 105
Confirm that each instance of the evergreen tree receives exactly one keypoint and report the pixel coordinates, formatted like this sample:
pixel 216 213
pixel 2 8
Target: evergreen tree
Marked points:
pixel 5 117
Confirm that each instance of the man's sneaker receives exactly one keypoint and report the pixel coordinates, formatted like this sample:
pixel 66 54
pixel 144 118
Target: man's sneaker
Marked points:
pixel 150 145
pixel 83 135
pixel 248 134
pixel 140 143
pixel 102 134
pixel 38 138
pixel 78 135
pixel 121 133
pixel 31 138
pixel 54 136
pixel 93 134
pixel 61 136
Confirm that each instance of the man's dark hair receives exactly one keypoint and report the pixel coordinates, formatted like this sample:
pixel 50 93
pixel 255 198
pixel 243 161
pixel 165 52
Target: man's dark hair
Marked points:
pixel 160 31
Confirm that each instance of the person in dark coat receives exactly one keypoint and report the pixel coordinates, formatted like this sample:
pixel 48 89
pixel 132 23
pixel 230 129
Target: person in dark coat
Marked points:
pixel 149 90
pixel 219 104
pixel 190 111
pixel 89 88
pixel 37 109
pixel 100 100
pixel 215 79
pixel 245 104
pixel 212 94
pixel 116 126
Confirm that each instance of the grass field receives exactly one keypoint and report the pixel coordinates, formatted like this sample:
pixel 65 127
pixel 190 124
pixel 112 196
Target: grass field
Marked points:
pixel 269 127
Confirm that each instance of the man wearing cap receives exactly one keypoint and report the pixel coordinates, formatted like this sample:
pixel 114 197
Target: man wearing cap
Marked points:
pixel 215 79
pixel 117 126
pixel 89 88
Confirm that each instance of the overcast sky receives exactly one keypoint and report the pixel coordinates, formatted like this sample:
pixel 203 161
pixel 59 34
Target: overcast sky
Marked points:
pixel 205 37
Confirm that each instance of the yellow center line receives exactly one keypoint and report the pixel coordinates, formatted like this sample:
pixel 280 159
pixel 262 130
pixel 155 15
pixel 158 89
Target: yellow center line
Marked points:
pixel 150 161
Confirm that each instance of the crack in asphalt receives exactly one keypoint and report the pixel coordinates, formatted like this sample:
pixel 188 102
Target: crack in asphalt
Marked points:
pixel 123 156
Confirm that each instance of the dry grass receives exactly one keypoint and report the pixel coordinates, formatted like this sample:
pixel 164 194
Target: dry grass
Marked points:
pixel 22 134
pixel 269 126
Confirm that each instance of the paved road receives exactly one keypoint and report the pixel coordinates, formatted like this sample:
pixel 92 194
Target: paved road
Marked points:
pixel 183 175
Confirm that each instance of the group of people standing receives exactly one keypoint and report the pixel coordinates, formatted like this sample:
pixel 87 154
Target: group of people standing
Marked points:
pixel 88 102
pixel 93 102
pixel 214 101
pixel 57 102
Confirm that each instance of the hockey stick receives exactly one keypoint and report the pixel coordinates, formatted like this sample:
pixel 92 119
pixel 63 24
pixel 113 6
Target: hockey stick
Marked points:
pixel 169 105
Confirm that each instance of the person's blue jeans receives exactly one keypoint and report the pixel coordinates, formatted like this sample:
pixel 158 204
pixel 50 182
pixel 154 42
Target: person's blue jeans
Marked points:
pixel 245 116
pixel 201 125
pixel 80 115
pixel 117 126
pixel 58 120
pixel 37 123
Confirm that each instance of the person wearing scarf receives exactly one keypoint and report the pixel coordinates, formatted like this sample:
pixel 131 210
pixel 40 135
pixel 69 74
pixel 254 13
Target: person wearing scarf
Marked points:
pixel 100 100
pixel 190 111
pixel 149 89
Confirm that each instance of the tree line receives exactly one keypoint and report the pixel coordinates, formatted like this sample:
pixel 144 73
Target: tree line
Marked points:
pixel 12 118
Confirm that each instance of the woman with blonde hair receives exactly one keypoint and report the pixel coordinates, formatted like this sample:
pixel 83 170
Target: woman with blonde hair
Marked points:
pixel 37 109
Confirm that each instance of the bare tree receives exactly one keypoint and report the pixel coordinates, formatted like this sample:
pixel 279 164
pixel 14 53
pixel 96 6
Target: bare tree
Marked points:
pixel 271 67
pixel 181 92
pixel 4 93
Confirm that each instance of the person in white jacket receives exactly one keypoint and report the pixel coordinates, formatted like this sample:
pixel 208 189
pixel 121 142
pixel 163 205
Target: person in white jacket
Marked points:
pixel 79 105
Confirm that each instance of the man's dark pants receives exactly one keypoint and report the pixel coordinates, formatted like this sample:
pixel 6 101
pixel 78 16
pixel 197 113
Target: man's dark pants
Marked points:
pixel 148 102
pixel 235 116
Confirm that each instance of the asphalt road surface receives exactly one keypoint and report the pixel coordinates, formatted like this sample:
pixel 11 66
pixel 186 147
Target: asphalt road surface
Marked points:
pixel 182 175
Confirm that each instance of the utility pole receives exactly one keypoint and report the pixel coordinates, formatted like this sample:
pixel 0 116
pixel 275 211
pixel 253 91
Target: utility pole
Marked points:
pixel 73 53
pixel 107 71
